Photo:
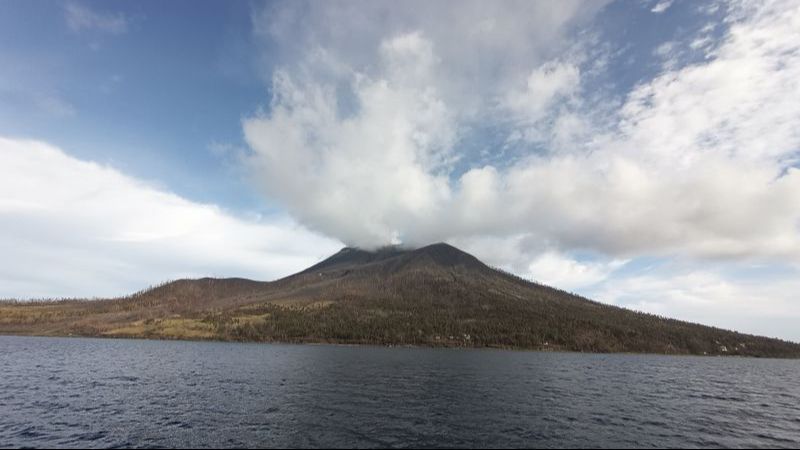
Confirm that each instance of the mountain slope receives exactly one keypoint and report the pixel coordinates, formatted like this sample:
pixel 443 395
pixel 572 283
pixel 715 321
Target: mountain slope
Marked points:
pixel 436 295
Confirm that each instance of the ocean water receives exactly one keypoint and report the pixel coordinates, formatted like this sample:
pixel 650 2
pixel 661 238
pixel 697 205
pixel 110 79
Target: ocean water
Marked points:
pixel 71 392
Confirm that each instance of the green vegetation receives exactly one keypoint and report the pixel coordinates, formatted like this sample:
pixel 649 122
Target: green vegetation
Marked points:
pixel 435 296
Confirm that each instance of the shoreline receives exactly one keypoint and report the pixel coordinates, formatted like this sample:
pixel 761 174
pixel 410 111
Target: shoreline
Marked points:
pixel 387 346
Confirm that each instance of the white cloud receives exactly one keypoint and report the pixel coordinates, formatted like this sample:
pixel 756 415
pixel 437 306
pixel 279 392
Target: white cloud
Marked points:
pixel 659 175
pixel 80 17
pixel 547 266
pixel 493 45
pixel 661 6
pixel 375 166
pixel 559 270
pixel 546 84
pixel 76 228
pixel 354 176
pixel 702 294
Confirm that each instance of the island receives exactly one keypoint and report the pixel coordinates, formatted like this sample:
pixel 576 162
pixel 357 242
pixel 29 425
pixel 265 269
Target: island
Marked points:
pixel 435 296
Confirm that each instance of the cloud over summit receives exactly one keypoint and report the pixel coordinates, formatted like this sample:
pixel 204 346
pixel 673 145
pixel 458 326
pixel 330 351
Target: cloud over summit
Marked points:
pixel 369 140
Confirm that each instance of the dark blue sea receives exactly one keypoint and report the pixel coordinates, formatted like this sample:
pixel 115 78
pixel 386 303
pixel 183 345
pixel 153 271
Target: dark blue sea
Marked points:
pixel 70 392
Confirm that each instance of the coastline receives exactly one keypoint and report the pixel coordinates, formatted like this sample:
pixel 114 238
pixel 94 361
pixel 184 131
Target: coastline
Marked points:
pixel 332 343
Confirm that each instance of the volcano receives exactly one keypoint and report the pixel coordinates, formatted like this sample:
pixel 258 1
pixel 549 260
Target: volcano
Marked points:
pixel 436 295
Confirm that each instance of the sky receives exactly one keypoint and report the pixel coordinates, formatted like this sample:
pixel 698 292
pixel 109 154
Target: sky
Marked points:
pixel 641 153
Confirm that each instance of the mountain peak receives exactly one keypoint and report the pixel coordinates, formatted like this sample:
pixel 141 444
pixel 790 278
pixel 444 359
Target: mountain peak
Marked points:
pixel 394 257
pixel 349 257
pixel 448 256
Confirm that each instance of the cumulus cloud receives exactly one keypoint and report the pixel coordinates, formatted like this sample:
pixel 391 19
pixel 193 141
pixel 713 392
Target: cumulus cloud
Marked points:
pixel 356 176
pixel 493 45
pixel 80 17
pixel 660 174
pixel 360 140
pixel 77 228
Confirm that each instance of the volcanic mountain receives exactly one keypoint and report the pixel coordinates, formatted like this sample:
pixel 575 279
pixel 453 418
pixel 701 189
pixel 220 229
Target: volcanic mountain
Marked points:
pixel 432 296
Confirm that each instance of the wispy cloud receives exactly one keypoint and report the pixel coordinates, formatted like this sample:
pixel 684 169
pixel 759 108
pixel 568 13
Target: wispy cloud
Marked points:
pixel 661 6
pixel 39 102
pixel 54 105
pixel 80 17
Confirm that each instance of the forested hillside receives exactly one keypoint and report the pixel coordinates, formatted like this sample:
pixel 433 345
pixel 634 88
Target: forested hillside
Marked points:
pixel 433 296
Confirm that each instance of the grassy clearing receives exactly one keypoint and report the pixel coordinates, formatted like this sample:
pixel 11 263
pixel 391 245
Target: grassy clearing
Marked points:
pixel 250 320
pixel 34 314
pixel 174 328
pixel 301 304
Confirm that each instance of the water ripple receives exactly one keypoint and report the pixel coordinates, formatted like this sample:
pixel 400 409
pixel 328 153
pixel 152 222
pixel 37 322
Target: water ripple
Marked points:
pixel 96 393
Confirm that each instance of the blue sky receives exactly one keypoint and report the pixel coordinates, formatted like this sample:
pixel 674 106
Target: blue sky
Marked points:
pixel 642 153
pixel 149 99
